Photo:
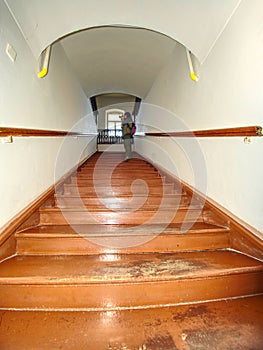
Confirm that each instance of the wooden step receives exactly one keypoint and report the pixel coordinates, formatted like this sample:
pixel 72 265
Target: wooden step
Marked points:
pixel 117 163
pixel 124 245
pixel 119 175
pixel 76 216
pixel 96 239
pixel 114 281
pixel 138 189
pixel 123 202
pixel 117 172
pixel 219 325
pixel 104 159
pixel 117 181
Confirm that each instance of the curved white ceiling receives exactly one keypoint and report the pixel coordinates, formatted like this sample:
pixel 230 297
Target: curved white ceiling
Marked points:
pixel 117 59
pixel 121 45
pixel 195 23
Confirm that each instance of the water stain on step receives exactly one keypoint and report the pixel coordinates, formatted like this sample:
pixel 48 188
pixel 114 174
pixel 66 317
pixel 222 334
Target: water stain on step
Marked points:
pixel 195 311
pixel 161 342
pixel 149 269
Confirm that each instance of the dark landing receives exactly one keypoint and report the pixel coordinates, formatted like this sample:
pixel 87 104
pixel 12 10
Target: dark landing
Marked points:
pixel 222 325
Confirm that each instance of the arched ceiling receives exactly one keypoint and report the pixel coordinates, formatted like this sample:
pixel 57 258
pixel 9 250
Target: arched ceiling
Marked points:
pixel 117 59
pixel 196 24
pixel 121 45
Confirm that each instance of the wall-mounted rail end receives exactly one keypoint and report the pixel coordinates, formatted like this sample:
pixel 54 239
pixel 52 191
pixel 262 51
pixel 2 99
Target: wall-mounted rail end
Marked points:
pixel 44 62
pixel 193 76
pixel 42 73
pixel 260 131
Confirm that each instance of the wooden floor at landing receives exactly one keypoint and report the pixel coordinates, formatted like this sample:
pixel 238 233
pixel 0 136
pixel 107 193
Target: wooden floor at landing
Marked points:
pixel 221 325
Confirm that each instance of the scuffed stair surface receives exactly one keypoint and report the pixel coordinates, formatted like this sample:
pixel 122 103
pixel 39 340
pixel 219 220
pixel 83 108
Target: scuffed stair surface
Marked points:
pixel 124 244
pixel 95 239
pixel 198 227
pixel 113 281
pixel 221 325
pixel 125 268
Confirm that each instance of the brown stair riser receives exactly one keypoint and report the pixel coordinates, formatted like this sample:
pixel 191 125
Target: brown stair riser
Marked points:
pixel 119 175
pixel 115 169
pixel 107 157
pixel 119 179
pixel 84 191
pixel 121 203
pixel 55 217
pixel 117 182
pixel 118 161
pixel 108 296
pixel 49 245
pixel 118 170
pixel 115 191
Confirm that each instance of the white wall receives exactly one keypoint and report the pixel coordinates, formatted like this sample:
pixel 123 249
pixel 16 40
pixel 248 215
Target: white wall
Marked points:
pixel 57 102
pixel 229 94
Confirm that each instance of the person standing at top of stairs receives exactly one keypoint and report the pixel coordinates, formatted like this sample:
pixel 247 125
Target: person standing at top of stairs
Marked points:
pixel 126 125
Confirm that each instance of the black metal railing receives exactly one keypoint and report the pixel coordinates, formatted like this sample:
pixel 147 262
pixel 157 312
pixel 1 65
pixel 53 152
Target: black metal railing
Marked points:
pixel 110 137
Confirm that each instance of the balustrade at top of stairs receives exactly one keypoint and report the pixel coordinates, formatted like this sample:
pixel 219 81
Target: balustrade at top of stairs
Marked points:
pixel 120 235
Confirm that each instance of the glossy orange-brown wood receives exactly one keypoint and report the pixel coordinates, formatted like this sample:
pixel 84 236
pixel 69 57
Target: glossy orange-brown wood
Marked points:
pixel 220 325
pixel 117 246
pixel 120 202
pixel 90 239
pixel 225 132
pixel 107 284
pixel 4 131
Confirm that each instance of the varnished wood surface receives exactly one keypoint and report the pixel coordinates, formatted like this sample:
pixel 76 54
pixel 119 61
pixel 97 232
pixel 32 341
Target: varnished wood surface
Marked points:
pixel 224 132
pixel 123 202
pixel 93 239
pixel 110 229
pixel 109 191
pixel 84 257
pixel 220 325
pixel 26 132
pixel 110 285
pixel 135 267
pixel 102 217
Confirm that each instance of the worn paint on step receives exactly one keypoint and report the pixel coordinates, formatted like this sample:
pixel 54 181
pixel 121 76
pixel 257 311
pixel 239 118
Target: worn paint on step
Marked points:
pixel 224 325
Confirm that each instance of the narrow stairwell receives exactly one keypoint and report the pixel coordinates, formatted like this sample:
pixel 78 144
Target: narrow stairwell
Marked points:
pixel 120 236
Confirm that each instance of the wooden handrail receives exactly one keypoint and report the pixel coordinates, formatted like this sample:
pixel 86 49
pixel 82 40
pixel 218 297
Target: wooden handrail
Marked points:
pixel 24 132
pixel 227 132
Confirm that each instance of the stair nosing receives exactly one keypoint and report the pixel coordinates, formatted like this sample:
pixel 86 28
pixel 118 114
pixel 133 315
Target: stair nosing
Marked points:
pixel 81 280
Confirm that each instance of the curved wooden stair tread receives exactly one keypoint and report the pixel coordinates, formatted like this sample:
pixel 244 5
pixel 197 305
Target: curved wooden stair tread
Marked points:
pixel 126 268
pixel 94 239
pixel 220 274
pixel 177 229
pixel 124 201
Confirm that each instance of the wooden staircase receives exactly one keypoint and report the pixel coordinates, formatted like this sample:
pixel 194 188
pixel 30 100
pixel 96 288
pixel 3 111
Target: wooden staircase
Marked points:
pixel 117 235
